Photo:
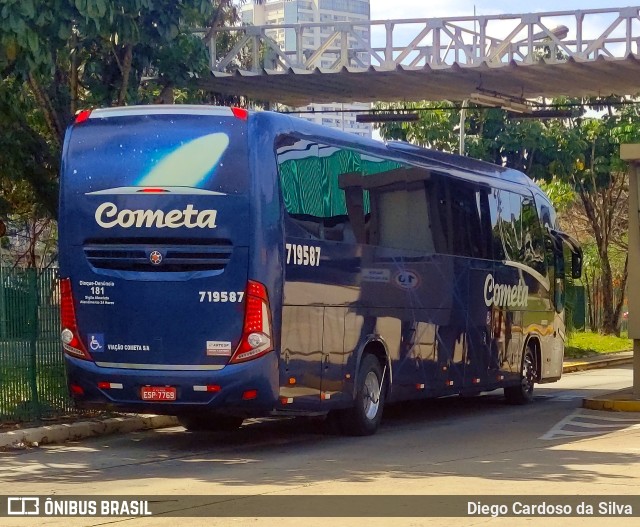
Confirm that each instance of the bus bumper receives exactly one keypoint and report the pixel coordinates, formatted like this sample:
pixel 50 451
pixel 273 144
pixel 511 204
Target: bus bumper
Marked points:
pixel 247 389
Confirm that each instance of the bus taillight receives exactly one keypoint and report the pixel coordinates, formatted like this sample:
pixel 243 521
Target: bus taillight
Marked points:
pixel 82 116
pixel 256 330
pixel 240 113
pixel 70 337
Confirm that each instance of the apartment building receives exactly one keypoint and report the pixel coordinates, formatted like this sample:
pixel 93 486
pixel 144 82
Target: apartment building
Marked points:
pixel 274 12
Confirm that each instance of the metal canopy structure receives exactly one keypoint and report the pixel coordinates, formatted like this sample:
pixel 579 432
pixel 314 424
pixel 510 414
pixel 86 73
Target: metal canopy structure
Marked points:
pixel 541 55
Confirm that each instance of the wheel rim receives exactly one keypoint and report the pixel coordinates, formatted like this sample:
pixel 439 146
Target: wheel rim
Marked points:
pixel 371 395
pixel 528 374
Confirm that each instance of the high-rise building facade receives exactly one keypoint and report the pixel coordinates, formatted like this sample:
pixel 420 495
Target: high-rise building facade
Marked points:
pixel 274 12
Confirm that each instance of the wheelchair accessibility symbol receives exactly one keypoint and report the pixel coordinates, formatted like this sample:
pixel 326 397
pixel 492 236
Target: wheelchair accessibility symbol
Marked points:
pixel 96 342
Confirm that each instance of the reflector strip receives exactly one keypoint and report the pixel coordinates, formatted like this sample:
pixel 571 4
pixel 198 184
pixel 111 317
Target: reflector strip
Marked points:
pixel 325 396
pixel 250 394
pixel 476 381
pixel 177 367
pixel 110 385
pixel 501 377
pixel 419 386
pixel 207 388
pixel 286 400
pixel 449 383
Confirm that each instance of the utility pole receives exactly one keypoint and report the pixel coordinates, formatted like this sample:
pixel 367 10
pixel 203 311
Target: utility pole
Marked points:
pixel 631 153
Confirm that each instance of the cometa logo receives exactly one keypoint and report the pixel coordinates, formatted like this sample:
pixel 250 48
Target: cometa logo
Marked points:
pixel 108 216
pixel 503 295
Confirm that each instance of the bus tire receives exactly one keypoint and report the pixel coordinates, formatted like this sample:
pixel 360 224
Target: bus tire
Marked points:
pixel 210 422
pixel 364 417
pixel 523 392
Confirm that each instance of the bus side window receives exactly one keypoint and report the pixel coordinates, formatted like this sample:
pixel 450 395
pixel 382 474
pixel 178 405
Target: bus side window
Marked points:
pixel 467 224
pixel 486 234
pixel 512 226
pixel 401 217
pixel 440 209
pixel 301 225
pixel 533 243
pixel 314 203
pixel 354 197
pixel 496 208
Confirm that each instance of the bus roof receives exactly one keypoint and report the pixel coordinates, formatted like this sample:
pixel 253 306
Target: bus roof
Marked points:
pixel 461 162
pixel 435 159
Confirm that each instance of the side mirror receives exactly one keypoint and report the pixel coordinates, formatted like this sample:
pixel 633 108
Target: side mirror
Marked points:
pixel 576 265
pixel 560 239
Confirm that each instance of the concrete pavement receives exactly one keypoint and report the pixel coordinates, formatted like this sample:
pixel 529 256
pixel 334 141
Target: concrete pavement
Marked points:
pixel 59 433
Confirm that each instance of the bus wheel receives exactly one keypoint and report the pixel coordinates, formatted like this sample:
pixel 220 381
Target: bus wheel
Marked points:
pixel 523 393
pixel 210 422
pixel 364 418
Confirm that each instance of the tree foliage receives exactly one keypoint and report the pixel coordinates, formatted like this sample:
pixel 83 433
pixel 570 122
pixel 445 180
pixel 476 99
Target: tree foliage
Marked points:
pixel 577 157
pixel 59 56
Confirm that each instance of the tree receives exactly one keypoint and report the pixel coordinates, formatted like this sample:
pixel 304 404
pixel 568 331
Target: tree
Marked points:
pixel 582 152
pixel 58 56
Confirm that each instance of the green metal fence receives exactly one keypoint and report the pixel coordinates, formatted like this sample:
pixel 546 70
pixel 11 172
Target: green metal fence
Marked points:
pixel 32 381
pixel 575 305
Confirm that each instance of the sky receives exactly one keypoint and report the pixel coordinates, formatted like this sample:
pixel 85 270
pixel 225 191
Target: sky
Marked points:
pixel 593 25
pixel 385 9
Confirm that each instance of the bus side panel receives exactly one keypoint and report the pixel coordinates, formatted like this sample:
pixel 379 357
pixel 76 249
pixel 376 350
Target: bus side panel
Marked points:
pixel 318 293
pixel 508 325
pixel 416 306
pixel 482 366
pixel 553 350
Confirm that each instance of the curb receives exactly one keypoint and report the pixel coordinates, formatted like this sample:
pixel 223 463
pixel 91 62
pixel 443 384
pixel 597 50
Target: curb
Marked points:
pixel 612 405
pixel 571 367
pixel 620 401
pixel 42 435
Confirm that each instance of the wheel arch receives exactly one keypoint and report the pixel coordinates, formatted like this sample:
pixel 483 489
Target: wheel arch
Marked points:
pixel 379 349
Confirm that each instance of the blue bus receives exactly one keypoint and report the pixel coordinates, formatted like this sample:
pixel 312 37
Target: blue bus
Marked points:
pixel 218 264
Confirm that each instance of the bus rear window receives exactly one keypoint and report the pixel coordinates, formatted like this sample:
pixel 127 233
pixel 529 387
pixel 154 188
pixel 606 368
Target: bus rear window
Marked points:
pixel 157 151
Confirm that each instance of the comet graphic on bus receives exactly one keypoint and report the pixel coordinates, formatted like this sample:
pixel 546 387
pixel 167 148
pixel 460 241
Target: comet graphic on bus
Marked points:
pixel 184 170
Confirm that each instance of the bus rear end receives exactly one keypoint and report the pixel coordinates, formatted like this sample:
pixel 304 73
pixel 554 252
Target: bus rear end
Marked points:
pixel 160 312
